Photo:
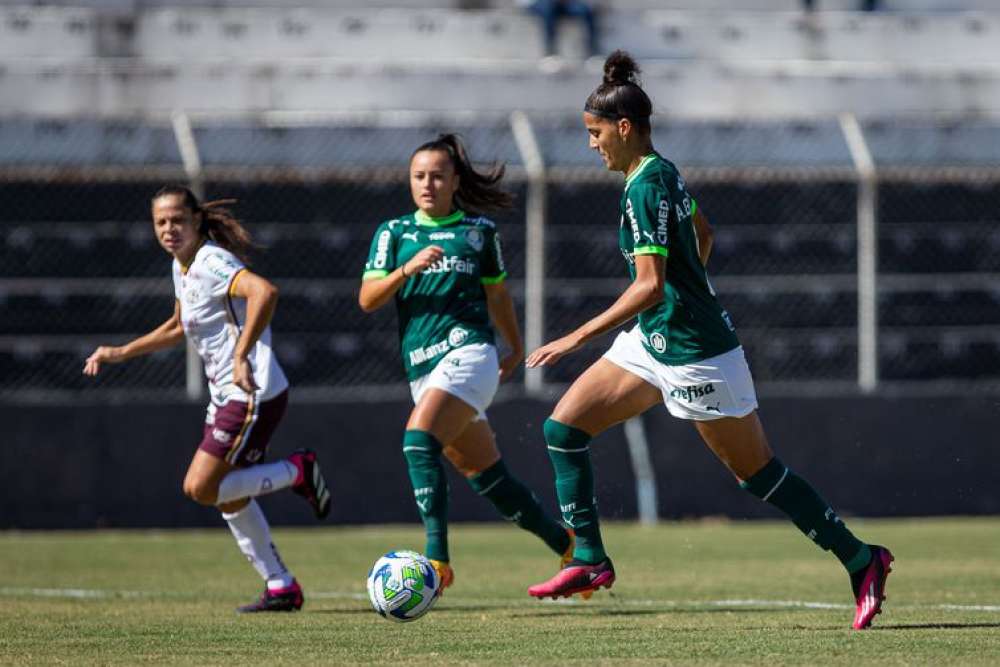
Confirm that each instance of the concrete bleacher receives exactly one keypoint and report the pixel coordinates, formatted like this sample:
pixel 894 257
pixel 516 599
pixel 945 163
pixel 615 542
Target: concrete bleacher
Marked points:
pixel 78 60
pixel 397 35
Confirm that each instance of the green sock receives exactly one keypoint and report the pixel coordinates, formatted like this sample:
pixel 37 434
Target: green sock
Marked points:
pixel 567 447
pixel 778 485
pixel 516 503
pixel 430 489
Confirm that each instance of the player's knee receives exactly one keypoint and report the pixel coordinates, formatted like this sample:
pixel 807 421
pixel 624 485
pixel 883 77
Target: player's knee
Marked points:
pixel 201 492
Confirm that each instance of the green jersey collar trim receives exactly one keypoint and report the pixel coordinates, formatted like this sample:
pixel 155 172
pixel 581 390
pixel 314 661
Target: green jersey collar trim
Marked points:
pixel 639 169
pixel 424 219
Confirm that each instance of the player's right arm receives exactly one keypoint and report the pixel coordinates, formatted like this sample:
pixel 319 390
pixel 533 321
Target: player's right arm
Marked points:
pixel 166 335
pixel 382 278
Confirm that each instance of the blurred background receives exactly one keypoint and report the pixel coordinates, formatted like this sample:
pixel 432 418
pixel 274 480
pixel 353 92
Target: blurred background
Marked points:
pixel 847 153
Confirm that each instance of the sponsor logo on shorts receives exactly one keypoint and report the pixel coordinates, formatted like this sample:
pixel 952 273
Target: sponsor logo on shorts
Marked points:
pixel 658 342
pixel 693 392
pixel 221 436
pixel 254 455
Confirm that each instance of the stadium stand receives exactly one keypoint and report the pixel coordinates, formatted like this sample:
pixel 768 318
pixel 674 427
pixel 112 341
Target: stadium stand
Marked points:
pixel 308 115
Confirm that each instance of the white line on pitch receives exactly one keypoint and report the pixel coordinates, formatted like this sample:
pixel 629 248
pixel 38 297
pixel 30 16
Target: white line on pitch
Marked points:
pixel 100 594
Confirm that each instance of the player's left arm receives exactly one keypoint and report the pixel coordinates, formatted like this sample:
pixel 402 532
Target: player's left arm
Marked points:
pixel 704 233
pixel 504 317
pixel 262 299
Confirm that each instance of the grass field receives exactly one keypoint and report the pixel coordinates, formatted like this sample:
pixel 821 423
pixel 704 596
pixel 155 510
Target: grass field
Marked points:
pixel 701 592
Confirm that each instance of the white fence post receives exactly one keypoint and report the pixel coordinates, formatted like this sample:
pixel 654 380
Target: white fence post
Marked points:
pixel 194 374
pixel 868 375
pixel 642 466
pixel 534 251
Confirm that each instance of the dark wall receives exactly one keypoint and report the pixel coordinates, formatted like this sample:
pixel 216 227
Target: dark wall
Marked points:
pixel 100 465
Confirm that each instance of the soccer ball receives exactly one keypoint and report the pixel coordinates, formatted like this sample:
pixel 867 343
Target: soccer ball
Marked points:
pixel 402 586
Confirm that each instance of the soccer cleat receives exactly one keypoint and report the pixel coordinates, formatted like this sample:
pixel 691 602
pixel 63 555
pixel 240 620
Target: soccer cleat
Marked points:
pixel 567 558
pixel 309 483
pixel 446 575
pixel 576 578
pixel 289 598
pixel 869 587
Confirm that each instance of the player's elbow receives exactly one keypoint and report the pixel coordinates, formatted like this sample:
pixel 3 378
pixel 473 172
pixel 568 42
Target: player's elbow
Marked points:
pixel 367 301
pixel 652 292
pixel 269 293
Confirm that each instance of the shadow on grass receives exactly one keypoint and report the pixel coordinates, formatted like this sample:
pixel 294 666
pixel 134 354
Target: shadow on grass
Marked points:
pixel 934 626
pixel 437 610
pixel 644 612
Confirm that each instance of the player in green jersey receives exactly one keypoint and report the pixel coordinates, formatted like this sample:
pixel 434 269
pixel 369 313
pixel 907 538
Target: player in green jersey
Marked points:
pixel 443 266
pixel 683 352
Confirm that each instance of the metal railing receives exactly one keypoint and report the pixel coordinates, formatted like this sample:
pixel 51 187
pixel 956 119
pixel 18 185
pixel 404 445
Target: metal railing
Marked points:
pixel 828 266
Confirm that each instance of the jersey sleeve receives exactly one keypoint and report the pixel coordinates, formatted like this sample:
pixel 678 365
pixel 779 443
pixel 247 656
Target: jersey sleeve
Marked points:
pixel 648 210
pixel 493 270
pixel 381 255
pixel 222 270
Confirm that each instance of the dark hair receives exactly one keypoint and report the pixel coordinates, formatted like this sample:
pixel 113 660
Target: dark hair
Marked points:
pixel 620 95
pixel 217 222
pixel 477 192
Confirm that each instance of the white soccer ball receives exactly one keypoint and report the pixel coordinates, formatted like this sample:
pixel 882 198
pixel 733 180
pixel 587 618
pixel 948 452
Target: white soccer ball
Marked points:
pixel 402 586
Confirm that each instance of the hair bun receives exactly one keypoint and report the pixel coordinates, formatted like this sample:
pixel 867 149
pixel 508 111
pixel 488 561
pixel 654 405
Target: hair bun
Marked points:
pixel 620 68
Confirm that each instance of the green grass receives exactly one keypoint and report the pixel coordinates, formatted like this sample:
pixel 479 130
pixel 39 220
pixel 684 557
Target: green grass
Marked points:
pixel 688 593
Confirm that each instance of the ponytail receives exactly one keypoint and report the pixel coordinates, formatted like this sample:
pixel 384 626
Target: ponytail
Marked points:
pixel 217 222
pixel 620 95
pixel 477 192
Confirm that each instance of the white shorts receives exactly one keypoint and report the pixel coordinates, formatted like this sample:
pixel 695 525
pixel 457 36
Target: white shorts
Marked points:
pixel 713 388
pixel 470 373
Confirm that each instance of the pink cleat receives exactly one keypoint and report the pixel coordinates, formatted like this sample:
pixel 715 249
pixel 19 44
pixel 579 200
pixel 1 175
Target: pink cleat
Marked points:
pixel 870 591
pixel 289 598
pixel 576 578
pixel 567 558
pixel 309 482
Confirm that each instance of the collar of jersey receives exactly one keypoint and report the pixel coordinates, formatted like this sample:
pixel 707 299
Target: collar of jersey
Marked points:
pixel 424 219
pixel 186 267
pixel 645 162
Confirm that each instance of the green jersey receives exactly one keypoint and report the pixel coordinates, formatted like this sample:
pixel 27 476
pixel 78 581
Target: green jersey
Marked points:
pixel 444 306
pixel 657 218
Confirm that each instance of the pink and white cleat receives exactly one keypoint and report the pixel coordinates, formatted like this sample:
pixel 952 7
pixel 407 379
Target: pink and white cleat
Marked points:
pixel 869 592
pixel 289 598
pixel 309 482
pixel 576 578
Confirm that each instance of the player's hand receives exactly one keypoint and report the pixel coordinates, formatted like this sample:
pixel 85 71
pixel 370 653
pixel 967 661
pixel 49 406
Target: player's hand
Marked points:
pixel 550 353
pixel 509 364
pixel 105 354
pixel 243 375
pixel 429 255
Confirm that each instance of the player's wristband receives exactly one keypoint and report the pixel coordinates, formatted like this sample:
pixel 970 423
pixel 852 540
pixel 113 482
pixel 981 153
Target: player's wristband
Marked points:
pixel 402 269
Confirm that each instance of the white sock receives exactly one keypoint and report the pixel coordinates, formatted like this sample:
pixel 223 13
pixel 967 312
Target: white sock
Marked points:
pixel 256 481
pixel 252 533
